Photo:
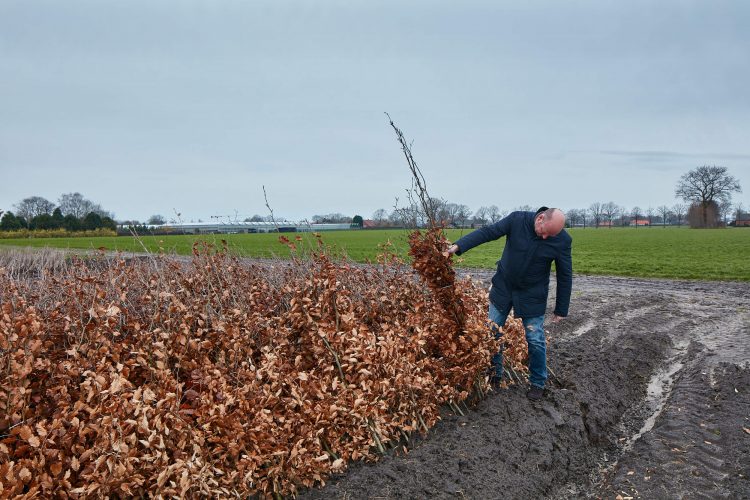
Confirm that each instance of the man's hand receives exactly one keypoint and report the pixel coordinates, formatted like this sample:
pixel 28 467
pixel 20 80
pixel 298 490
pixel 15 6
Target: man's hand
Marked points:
pixel 557 319
pixel 451 250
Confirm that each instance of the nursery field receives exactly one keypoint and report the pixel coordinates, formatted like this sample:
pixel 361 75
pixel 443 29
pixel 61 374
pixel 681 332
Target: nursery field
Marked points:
pixel 223 377
pixel 678 253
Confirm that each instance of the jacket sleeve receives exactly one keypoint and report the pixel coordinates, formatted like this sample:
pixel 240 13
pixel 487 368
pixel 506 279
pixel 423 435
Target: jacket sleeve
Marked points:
pixel 485 234
pixel 564 270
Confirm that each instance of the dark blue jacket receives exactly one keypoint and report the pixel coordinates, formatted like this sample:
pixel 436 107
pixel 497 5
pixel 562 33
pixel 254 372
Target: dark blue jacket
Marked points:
pixel 522 277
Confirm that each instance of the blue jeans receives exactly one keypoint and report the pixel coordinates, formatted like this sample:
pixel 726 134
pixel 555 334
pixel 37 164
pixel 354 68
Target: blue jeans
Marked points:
pixel 534 337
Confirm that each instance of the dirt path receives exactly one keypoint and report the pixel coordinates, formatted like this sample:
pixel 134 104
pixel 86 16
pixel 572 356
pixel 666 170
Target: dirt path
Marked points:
pixel 650 400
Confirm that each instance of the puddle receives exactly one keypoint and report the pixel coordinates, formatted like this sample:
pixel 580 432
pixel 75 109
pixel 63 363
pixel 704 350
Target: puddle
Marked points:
pixel 586 327
pixel 657 393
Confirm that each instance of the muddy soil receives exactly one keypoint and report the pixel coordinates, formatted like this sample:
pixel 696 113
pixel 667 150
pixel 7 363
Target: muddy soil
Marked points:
pixel 650 398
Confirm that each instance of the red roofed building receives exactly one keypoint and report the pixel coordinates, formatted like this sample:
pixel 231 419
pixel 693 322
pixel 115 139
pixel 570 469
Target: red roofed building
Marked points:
pixel 640 222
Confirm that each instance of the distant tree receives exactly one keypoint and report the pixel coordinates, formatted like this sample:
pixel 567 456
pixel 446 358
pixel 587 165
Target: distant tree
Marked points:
pixel 525 208
pixel 439 210
pixel 71 223
pixel 573 217
pixel 75 204
pixel 403 217
pixel 494 214
pixel 665 212
pixel 444 211
pixel 725 209
pixel 10 222
pixel 255 218
pixel 622 215
pixel 380 216
pixel 650 214
pixel 480 215
pixel 28 208
pixel 584 213
pixel 453 209
pixel 324 219
pixel 596 210
pixel 636 213
pixel 738 210
pixel 57 216
pixel 91 221
pixel 463 214
pixel 395 217
pixel 408 216
pixel 704 216
pixel 704 185
pixel 358 221
pixel 679 210
pixel 108 223
pixel 156 220
pixel 609 210
pixel 43 221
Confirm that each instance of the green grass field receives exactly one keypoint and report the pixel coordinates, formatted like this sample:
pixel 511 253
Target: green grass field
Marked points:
pixel 717 254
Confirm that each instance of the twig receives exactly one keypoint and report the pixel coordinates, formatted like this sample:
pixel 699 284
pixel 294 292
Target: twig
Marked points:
pixel 456 409
pixel 419 185
pixel 270 209
pixel 375 436
pixel 335 359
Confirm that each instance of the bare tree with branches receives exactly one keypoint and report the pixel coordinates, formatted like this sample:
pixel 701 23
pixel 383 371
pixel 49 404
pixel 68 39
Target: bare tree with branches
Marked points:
pixel 596 211
pixel 636 213
pixel 679 210
pixel 707 184
pixel 665 212
pixel 609 210
pixel 28 208
pixel 494 214
pixel 738 211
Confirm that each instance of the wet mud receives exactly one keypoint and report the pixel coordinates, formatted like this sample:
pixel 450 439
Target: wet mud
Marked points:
pixel 650 398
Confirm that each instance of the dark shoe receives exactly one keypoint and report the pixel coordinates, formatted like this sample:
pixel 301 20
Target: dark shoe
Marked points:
pixel 535 393
pixel 496 381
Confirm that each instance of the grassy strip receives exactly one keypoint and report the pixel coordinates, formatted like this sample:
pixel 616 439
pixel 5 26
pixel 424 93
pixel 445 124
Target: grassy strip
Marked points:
pixel 680 253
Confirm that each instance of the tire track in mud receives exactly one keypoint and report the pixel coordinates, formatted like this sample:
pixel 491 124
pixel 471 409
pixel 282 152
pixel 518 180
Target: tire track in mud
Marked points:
pixel 680 451
pixel 696 448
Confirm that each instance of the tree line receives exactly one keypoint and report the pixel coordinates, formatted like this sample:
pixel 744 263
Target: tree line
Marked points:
pixel 72 212
pixel 706 193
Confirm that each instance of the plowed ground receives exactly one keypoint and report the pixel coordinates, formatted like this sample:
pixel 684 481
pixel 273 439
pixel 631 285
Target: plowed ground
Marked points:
pixel 650 399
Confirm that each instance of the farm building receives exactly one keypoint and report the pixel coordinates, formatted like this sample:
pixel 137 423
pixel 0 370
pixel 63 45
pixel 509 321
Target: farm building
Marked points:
pixel 248 227
pixel 640 222
pixel 742 220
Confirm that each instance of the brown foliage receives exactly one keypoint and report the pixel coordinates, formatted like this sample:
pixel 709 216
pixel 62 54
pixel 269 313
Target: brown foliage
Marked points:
pixel 704 215
pixel 214 378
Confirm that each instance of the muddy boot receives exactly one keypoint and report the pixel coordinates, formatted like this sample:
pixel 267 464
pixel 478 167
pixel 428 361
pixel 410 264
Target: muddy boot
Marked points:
pixel 535 393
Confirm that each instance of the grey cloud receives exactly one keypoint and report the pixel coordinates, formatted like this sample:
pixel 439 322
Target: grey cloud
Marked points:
pixel 673 155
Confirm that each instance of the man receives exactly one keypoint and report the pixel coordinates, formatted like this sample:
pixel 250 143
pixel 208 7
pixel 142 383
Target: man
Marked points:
pixel 534 241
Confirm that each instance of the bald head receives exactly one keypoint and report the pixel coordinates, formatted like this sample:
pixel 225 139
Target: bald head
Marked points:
pixel 549 223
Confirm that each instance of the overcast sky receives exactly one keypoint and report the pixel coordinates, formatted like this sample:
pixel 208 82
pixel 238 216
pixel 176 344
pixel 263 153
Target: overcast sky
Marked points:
pixel 154 106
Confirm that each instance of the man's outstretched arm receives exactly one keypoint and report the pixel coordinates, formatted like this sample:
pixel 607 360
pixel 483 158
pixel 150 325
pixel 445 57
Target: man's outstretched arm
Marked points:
pixel 482 235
